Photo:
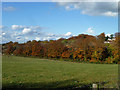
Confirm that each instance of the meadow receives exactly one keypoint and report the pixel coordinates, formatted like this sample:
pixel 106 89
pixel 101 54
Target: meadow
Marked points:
pixel 25 72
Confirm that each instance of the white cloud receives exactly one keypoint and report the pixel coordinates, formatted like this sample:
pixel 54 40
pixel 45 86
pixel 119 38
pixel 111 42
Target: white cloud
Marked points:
pixel 3 33
pixel 36 27
pixel 58 37
pixel 51 36
pixel 24 34
pixel 68 34
pixel 67 7
pixel 17 27
pixel 1 26
pixel 10 8
pixel 107 35
pixel 20 33
pixel 64 1
pixel 37 38
pixel 26 38
pixel 92 8
pixel 109 13
pixel 18 37
pixel 27 31
pixel 20 27
pixel 90 31
pixel 47 38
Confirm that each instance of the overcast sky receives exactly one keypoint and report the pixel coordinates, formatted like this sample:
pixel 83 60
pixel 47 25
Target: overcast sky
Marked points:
pixel 23 21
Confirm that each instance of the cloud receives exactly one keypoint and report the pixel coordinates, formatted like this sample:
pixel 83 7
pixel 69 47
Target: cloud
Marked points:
pixel 19 37
pixel 90 31
pixel 37 38
pixel 51 36
pixel 85 1
pixel 1 26
pixel 92 8
pixel 27 31
pixel 107 35
pixel 6 36
pixel 37 27
pixel 46 38
pixel 67 8
pixel 109 13
pixel 20 33
pixel 17 27
pixel 3 33
pixel 26 38
pixel 20 27
pixel 10 8
pixel 68 34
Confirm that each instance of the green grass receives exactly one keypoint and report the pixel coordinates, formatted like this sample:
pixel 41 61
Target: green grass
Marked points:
pixel 24 72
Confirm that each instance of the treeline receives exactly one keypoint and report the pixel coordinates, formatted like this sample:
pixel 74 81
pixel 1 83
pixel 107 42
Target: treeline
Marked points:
pixel 81 48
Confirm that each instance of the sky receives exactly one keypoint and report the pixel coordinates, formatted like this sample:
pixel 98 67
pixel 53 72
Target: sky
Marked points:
pixel 23 21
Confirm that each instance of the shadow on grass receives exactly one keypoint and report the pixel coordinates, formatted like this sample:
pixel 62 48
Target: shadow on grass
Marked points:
pixel 59 85
pixel 66 84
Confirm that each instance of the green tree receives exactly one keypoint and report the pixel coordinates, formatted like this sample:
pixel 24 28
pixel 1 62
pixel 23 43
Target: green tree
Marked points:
pixel 111 36
pixel 106 38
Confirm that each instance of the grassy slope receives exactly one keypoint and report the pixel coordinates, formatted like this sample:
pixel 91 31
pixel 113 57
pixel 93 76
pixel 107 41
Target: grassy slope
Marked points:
pixel 34 72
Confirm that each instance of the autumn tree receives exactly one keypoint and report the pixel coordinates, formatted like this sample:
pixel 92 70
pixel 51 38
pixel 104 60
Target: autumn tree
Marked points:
pixel 79 48
pixel 37 49
pixel 27 49
pixel 56 49
pixel 10 48
pixel 18 50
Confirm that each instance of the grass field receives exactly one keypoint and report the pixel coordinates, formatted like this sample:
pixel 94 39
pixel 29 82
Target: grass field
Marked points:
pixel 24 72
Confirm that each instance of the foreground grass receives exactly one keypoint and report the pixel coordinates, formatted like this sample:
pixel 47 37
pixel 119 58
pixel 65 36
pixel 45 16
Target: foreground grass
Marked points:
pixel 23 72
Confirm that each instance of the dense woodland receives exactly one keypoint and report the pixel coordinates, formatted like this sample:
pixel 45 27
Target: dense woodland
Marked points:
pixel 81 48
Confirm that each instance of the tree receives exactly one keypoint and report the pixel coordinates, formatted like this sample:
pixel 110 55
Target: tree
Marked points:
pixel 37 49
pixel 55 49
pixel 19 50
pixel 10 48
pixel 106 38
pixel 27 49
pixel 111 36
pixel 82 47
pixel 101 37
